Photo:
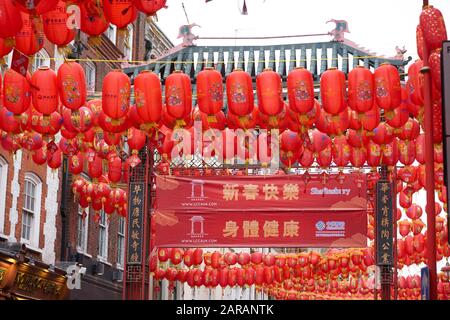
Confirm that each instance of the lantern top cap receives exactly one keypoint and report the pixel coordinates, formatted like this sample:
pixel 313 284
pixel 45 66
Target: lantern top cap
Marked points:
pixel 267 69
pixel 332 68
pixel 208 68
pixel 299 68
pixel 44 68
pixel 116 70
pixel 385 64
pixel 237 69
pixel 146 71
pixel 178 71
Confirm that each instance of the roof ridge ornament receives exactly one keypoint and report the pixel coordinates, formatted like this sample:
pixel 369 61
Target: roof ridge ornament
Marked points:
pixel 185 32
pixel 339 31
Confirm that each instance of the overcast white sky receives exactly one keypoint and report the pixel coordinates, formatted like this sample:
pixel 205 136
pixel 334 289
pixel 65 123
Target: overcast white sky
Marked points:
pixel 378 25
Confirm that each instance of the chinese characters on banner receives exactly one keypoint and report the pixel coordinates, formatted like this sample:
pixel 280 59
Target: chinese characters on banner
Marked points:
pixel 385 252
pixel 271 211
pixel 135 224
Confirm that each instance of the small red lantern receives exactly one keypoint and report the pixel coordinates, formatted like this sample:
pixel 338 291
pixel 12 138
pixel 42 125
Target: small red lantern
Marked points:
pixel 388 88
pixel 116 94
pixel 240 93
pixel 120 12
pixel 210 92
pixel 55 26
pixel 72 85
pixel 361 87
pixel 333 91
pixel 30 39
pixel 45 91
pixel 300 85
pixel 92 18
pixel 149 7
pixel 16 92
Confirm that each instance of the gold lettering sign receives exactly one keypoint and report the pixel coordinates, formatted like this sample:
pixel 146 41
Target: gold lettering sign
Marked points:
pixel 31 283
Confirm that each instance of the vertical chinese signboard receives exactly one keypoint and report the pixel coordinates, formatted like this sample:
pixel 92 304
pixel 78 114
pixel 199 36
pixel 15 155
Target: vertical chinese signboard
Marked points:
pixel 384 222
pixel 135 224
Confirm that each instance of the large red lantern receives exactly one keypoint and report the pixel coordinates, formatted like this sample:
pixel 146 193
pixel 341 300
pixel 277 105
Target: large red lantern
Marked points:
pixel 269 91
pixel 416 82
pixel 148 98
pixel 240 93
pixel 120 12
pixel 55 26
pixel 16 92
pixel 72 85
pixel 300 85
pixel 116 94
pixel 433 27
pixel 11 20
pixel 361 87
pixel 210 91
pixel 92 18
pixel 178 96
pixel 333 91
pixel 38 7
pixel 388 89
pixel 45 91
pixel 30 39
pixel 149 7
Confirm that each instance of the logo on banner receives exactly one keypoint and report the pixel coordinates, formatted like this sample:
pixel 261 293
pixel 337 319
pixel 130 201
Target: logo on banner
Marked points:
pixel 197 227
pixel 197 190
pixel 330 229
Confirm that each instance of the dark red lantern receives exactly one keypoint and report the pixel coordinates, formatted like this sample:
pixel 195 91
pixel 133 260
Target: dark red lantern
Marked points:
pixel 149 7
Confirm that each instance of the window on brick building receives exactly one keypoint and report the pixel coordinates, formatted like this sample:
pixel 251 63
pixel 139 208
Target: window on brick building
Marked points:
pixel 82 234
pixel 31 210
pixel 111 33
pixel 90 71
pixel 40 59
pixel 103 236
pixel 128 45
pixel 121 242
pixel 3 181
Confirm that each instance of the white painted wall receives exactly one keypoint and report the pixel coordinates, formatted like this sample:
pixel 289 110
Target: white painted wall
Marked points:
pixel 15 193
pixel 51 209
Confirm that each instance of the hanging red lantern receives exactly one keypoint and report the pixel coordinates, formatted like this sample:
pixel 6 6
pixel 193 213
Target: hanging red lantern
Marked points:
pixel 95 167
pixel 30 39
pixel 300 86
pixel 406 152
pixel 333 91
pixel 399 116
pixel 149 7
pixel 148 98
pixel 324 157
pixel 5 48
pixel 341 151
pixel 361 87
pixel 357 157
pixel 46 125
pixel 136 141
pixel 416 82
pixel 333 125
pixel 116 94
pixel 230 258
pixel 414 212
pixel 240 93
pixel 11 21
pixel 357 139
pixel 269 91
pixel 114 169
pixel 417 226
pixel 371 120
pixel 388 89
pixel 38 7
pixel 16 92
pixel 197 257
pixel 45 91
pixel 433 27
pixel 120 12
pixel 77 121
pixel 93 21
pixel 373 155
pixel 435 67
pixel 210 92
pixel 437 121
pixel 54 162
pixel 420 41
pixel 383 134
pixel 178 96
pixel 55 26
pixel 72 85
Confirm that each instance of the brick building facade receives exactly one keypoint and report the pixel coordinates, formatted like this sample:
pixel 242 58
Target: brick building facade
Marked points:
pixel 37 207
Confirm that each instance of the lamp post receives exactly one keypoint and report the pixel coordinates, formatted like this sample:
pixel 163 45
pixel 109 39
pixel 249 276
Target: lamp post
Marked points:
pixel 429 172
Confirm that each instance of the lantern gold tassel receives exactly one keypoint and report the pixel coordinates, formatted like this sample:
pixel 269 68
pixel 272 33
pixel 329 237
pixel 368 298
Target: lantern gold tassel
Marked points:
pixel 64 51
pixel 95 41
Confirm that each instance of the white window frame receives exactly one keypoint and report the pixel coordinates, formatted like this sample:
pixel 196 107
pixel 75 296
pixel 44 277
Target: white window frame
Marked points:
pixel 90 69
pixel 41 59
pixel 128 47
pixel 84 231
pixel 121 241
pixel 103 256
pixel 111 33
pixel 3 182
pixel 35 226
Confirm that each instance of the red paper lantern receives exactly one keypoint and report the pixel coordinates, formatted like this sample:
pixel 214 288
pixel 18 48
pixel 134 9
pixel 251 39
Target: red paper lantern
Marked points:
pixel 30 39
pixel 5 47
pixel 149 7
pixel 433 27
pixel 55 25
pixel 45 91
pixel 114 169
pixel 388 89
pixel 333 91
pixel 116 94
pixel 240 93
pixel 371 120
pixel 269 91
pixel 361 87
pixel 178 96
pixel 197 257
pixel 420 41
pixel 16 92
pixel 148 97
pixel 406 152
pixel 341 151
pixel 54 162
pixel 416 82
pixel 300 85
pixel 435 66
pixel 414 212
pixel 11 21
pixel 210 91
pixel 36 6
pixel 46 125
pixel 92 18
pixel 72 85
pixel 120 12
